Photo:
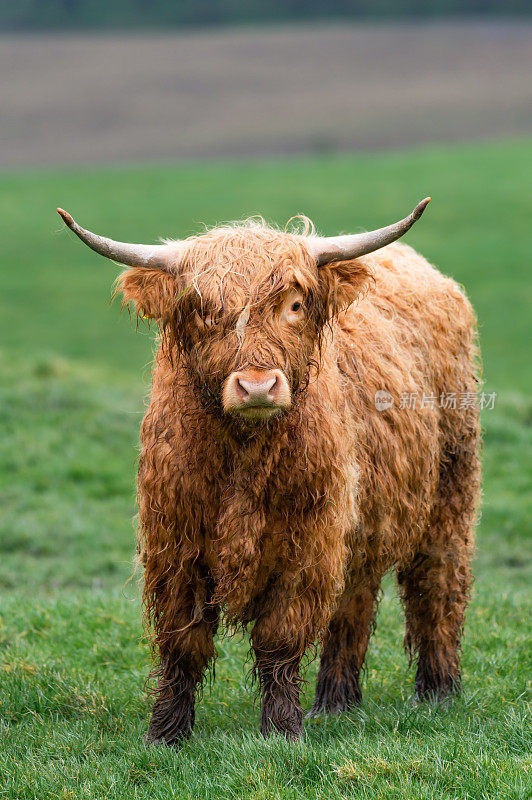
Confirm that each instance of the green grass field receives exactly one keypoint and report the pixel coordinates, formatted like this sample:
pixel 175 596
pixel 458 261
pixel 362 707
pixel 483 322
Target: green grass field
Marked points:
pixel 74 377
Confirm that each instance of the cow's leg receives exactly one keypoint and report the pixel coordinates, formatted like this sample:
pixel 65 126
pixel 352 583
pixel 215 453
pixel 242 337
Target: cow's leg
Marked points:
pixel 279 640
pixel 281 711
pixel 186 646
pixel 344 650
pixel 435 585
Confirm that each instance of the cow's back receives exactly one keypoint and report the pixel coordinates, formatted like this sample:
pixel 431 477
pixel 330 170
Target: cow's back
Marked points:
pixel 406 348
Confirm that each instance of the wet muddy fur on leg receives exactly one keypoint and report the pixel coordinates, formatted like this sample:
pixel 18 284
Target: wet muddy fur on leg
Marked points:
pixel 336 690
pixel 344 650
pixel 281 708
pixel 173 714
pixel 434 684
pixel 436 586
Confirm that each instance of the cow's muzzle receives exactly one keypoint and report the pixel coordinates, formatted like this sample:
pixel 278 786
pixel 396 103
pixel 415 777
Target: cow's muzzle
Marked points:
pixel 256 394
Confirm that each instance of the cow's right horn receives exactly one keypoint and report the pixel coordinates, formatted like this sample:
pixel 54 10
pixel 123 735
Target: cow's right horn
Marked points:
pixel 165 257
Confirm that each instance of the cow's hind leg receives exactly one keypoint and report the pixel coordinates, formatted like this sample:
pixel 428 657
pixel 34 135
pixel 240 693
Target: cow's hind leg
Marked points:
pixel 435 586
pixel 344 650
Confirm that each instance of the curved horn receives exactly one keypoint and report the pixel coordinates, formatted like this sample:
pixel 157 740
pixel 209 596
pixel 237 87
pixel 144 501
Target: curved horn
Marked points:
pixel 152 256
pixel 342 248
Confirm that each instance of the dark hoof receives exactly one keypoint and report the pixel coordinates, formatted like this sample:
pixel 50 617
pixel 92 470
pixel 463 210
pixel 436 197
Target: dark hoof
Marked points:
pixel 289 725
pixel 151 741
pixel 176 740
pixel 154 740
pixel 171 722
pixel 435 688
pixel 321 710
pixel 335 697
pixel 290 734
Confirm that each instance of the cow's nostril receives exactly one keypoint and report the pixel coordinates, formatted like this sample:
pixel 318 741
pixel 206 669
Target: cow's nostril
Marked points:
pixel 273 387
pixel 242 391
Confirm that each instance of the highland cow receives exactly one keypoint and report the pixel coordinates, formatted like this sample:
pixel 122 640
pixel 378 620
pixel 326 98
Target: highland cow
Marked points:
pixel 282 473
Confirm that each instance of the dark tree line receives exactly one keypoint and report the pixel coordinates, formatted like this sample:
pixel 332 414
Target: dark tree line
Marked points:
pixel 79 14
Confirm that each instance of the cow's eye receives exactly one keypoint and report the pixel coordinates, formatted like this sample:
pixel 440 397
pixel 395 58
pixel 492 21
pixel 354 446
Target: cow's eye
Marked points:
pixel 293 310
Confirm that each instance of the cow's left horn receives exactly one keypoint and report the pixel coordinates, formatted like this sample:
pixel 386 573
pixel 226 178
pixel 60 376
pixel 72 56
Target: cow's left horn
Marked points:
pixel 342 248
pixel 152 256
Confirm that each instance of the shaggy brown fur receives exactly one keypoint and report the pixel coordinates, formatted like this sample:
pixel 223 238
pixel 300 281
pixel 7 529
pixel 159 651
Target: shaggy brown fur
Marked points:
pixel 289 525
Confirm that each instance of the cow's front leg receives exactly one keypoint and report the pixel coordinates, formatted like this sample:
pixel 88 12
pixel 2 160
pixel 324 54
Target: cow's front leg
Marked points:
pixel 186 647
pixel 279 679
pixel 173 713
pixel 279 640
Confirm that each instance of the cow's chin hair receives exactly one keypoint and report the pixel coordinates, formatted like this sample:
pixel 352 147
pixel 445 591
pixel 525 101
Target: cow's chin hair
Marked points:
pixel 256 414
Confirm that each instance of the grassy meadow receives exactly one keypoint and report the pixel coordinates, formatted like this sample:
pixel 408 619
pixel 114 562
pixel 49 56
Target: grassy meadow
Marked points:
pixel 74 375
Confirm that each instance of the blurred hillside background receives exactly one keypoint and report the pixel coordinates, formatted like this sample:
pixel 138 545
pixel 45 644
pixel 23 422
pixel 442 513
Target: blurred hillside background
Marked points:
pixel 88 98
pixel 68 14
pixel 150 119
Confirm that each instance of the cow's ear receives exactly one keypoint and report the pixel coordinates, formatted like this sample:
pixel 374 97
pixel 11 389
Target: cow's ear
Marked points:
pixel 152 291
pixel 342 283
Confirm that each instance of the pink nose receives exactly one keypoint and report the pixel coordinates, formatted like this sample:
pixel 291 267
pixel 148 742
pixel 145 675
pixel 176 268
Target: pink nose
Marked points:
pixel 256 389
pixel 257 392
